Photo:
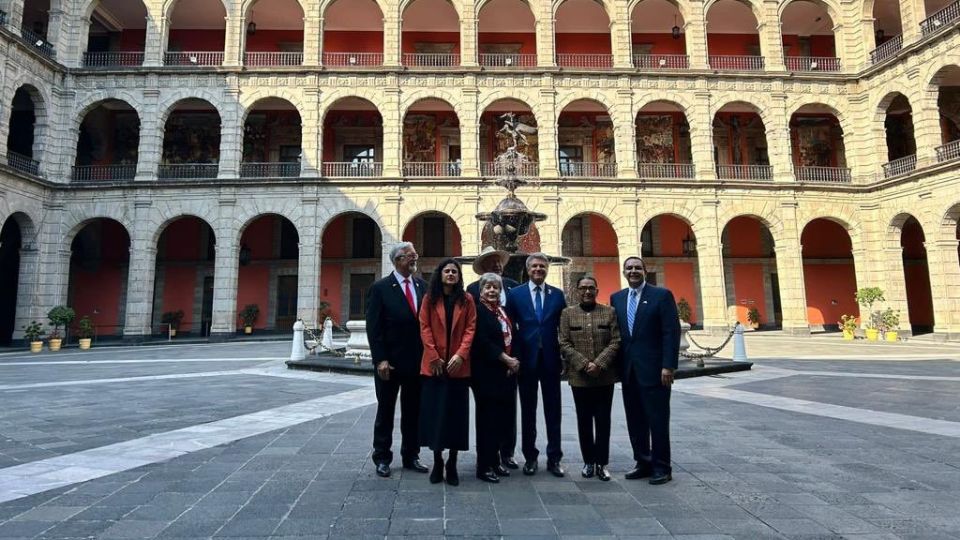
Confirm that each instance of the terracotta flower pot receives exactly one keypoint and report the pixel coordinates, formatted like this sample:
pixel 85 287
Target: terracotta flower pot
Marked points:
pixel 891 336
pixel 872 334
pixel 85 343
pixel 173 332
pixel 36 346
pixel 247 329
pixel 55 344
pixel 848 335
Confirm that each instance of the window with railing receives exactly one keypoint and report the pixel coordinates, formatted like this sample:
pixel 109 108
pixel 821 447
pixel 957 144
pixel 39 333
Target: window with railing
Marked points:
pixel 585 61
pixel 665 170
pixel 272 59
pixel 188 171
pixel 104 173
pixel 352 169
pixel 439 168
pixel 194 59
pixel 900 166
pixel 887 50
pixel 836 175
pixel 736 62
pixel 352 59
pixel 661 61
pixel 812 63
pixel 941 19
pixel 508 60
pixel 431 60
pixel 112 59
pixel 745 172
pixel 269 169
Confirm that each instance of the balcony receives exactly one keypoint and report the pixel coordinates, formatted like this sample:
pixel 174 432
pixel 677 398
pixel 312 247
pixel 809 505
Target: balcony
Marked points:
pixel 37 43
pixel 103 173
pixel 23 163
pixel 194 59
pixel 823 175
pixel 188 171
pixel 745 172
pixel 940 20
pixel 949 151
pixel 431 60
pixel 666 170
pixel 508 60
pixel 812 63
pixel 439 168
pixel 736 62
pixel 585 61
pixel 352 59
pixel 4 18
pixel 588 170
pixel 899 167
pixel 492 169
pixel 352 169
pixel 886 51
pixel 661 61
pixel 270 170
pixel 112 59
pixel 272 59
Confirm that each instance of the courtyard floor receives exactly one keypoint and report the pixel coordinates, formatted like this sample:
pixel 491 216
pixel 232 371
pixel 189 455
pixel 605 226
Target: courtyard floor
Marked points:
pixel 823 439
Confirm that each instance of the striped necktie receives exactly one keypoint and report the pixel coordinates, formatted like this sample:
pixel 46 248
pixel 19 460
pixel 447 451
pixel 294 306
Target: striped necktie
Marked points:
pixel 632 310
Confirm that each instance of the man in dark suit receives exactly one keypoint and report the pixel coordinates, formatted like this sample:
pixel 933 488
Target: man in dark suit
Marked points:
pixel 649 353
pixel 393 330
pixel 493 260
pixel 535 308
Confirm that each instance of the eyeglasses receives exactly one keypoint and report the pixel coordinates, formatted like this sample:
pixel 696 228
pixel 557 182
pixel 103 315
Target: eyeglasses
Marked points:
pixel 587 288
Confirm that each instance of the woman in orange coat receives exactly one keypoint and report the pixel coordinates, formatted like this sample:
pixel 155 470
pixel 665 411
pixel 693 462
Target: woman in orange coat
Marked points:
pixel 448 319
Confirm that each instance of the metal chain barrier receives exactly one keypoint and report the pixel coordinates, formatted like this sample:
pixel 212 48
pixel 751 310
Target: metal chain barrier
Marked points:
pixel 708 352
pixel 310 336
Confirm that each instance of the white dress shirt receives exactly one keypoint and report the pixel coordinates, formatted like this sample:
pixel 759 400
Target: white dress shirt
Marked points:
pixel 533 293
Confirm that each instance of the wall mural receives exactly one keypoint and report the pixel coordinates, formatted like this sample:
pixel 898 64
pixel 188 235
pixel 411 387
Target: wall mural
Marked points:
pixel 192 138
pixel 815 143
pixel 655 142
pixel 419 138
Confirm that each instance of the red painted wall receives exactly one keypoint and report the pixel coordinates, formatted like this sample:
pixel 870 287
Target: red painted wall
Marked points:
pixel 254 288
pixel 346 41
pixel 527 41
pixel 733 44
pixel 608 274
pixel 269 40
pixel 678 277
pixel 180 241
pixel 583 43
pixel 748 287
pixel 916 274
pixel 819 45
pixel 602 237
pixel 333 118
pixel 825 283
pixel 673 231
pixel 662 43
pixel 196 40
pixel 100 289
pixel 743 237
pixel 179 292
pixel 331 273
pixel 410 39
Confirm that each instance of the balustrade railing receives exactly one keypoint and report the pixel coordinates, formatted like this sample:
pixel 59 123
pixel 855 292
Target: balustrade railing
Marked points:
pixel 431 60
pixel 812 63
pixel 113 59
pixel 736 62
pixel 941 19
pixel 23 163
pixel 188 171
pixel 666 170
pixel 495 170
pixel 37 43
pixel 661 61
pixel 438 168
pixel 585 61
pixel 835 175
pixel 900 166
pixel 352 169
pixel 949 151
pixel 589 169
pixel 352 59
pixel 269 170
pixel 887 50
pixel 272 59
pixel 508 60
pixel 196 58
pixel 103 173
pixel 745 172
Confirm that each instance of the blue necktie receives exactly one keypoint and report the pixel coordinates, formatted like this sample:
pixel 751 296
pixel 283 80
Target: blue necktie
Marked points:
pixel 632 309
pixel 538 304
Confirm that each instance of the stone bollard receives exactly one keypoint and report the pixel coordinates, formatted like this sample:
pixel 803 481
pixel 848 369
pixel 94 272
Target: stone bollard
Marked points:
pixel 326 340
pixel 739 344
pixel 358 348
pixel 299 351
pixel 684 330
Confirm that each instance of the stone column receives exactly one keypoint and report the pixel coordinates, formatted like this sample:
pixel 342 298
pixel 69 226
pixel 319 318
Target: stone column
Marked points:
pixel 28 298
pixel 848 58
pixel 235 40
pixel 926 127
pixel 868 41
pixel 225 274
pixel 944 269
pixel 392 35
pixel 54 137
pixel 546 45
pixel 57 34
pixel 771 42
pixel 620 39
pixel 912 13
pixel 312 41
pixel 778 139
pixel 308 267
pixel 625 134
pixel 156 42
pixel 469 46
pixel 700 120
pixel 311 156
pixel 44 270
pixel 894 285
pixel 150 147
pixel 546 113
pixel 710 261
pixel 141 274
pixel 695 33
pixel 386 265
pixel 392 133
pixel 15 21
pixel 72 39
pixel 469 129
pixel 860 144
pixel 793 294
pixel 231 134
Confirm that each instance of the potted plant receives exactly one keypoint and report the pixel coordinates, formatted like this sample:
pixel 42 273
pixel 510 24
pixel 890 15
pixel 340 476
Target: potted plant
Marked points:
pixel 248 316
pixel 866 297
pixel 59 316
pixel 753 318
pixel 85 332
pixel 684 311
pixel 891 322
pixel 33 333
pixel 172 320
pixel 848 324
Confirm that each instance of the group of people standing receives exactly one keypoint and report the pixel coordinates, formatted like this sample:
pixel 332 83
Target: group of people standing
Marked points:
pixel 431 343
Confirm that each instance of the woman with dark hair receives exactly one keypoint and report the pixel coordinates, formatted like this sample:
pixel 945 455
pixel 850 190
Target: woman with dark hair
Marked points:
pixel 448 320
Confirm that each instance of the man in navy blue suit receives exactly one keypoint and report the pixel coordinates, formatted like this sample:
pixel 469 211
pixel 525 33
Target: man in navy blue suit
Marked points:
pixel 649 353
pixel 535 308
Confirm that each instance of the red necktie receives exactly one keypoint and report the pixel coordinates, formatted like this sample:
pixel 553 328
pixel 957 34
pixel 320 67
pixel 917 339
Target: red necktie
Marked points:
pixel 409 295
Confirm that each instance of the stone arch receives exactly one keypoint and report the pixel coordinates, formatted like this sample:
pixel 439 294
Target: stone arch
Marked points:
pixel 608 7
pixel 755 6
pixel 480 4
pixel 828 102
pixel 890 92
pixel 39 100
pixel 91 101
pixel 323 5
pixel 367 95
pixel 569 97
pixel 287 208
pixel 682 6
pixel 451 207
pixel 402 6
pixel 340 207
pixel 159 228
pixel 249 101
pixel 849 224
pixel 169 5
pixel 435 94
pixel 949 223
pixel 934 73
pixel 518 95
pixel 78 218
pixel 764 111
pixel 676 99
pixel 610 209
pixel 831 6
pixel 246 5
pixel 170 103
pixel 765 213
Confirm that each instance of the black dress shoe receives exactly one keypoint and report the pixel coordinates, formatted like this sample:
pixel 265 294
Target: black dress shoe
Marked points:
pixel 383 470
pixel 488 476
pixel 436 475
pixel 603 473
pixel 453 478
pixel 638 472
pixel 509 463
pixel 530 468
pixel 500 470
pixel 415 465
pixel 660 478
pixel 587 471
pixel 556 469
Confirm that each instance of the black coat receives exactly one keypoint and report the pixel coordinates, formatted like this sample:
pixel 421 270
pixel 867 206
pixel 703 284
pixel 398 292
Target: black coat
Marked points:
pixel 655 341
pixel 474 288
pixel 392 329
pixel 488 374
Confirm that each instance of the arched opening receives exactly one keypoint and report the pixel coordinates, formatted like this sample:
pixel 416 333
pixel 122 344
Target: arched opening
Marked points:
pixel 430 34
pixel 197 33
pixel 916 275
pixel 653 45
pixel 591 243
pixel 808 41
pixel 272 136
pixel 585 143
pixel 117 34
pixel 25 130
pixel 887 30
pixel 431 139
pixel 267 277
pixel 35 26
pixel 507 34
pixel 191 141
pixel 108 142
pixel 750 272
pixel 99 264
pixel 353 34
pixel 829 274
pixel 663 141
pixel 947 82
pixel 901 144
pixel 816 141
pixel 669 249
pixel 186 255
pixel 353 139
pixel 11 242
pixel 274 34
pixel 494 141
pixel 733 38
pixel 740 143
pixel 436 236
pixel 583 35
pixel 350 262
pixel 939 13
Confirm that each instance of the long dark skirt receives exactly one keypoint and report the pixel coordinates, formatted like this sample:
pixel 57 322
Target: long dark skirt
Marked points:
pixel 445 413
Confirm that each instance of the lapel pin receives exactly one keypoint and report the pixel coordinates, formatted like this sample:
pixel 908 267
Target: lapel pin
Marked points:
pixel 644 301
